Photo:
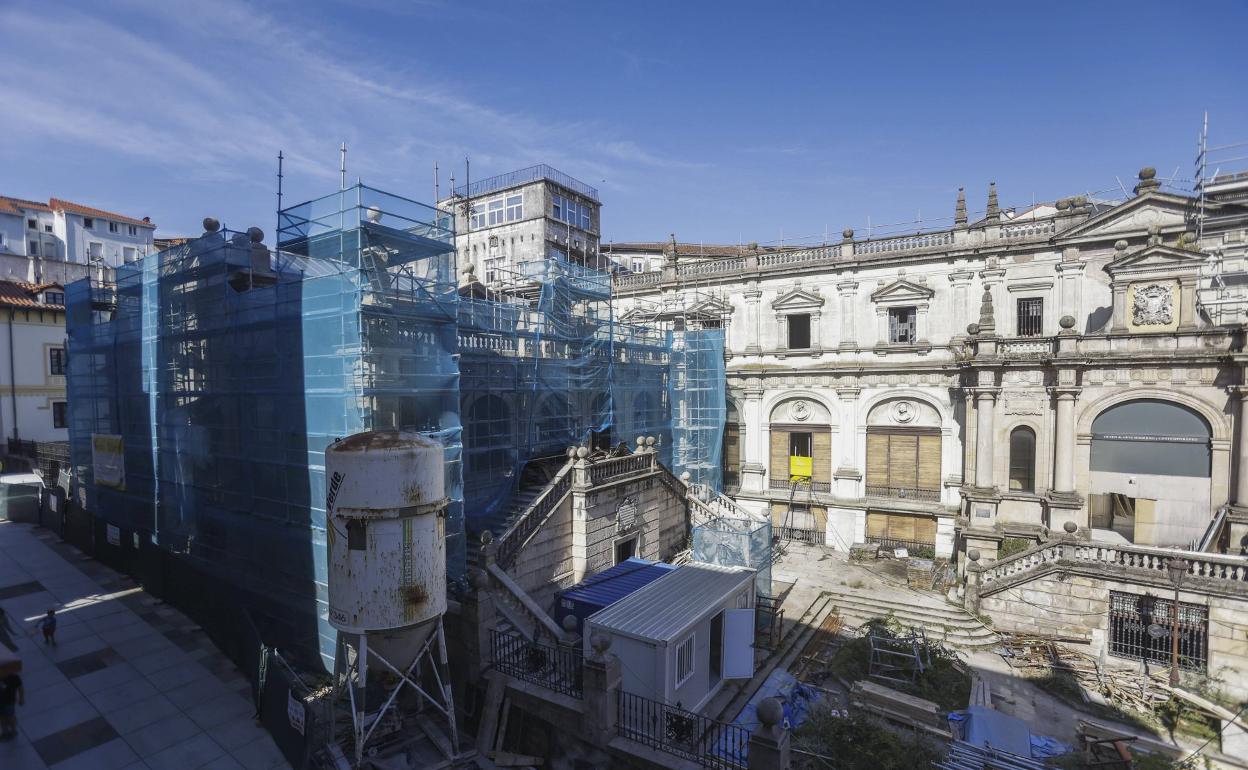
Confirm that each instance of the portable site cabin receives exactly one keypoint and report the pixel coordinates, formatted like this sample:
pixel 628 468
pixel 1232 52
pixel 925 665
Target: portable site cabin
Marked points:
pixel 679 638
pixel 606 588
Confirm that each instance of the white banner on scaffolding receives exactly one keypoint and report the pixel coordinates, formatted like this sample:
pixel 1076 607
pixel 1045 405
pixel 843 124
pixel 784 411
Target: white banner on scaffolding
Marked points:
pixel 108 460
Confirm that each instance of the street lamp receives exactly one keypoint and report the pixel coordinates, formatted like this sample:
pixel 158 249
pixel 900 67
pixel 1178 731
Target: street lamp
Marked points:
pixel 1177 567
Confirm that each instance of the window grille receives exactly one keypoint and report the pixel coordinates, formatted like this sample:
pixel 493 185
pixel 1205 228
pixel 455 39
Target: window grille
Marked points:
pixel 1030 316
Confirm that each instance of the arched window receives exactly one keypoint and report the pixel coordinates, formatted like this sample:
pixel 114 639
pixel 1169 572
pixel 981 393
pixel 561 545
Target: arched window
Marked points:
pixel 1023 460
pixel 1151 437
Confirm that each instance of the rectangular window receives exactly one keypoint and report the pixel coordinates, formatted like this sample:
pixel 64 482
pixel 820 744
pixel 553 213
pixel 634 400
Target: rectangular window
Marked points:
pixel 901 325
pixel 584 217
pixel 132 230
pixel 496 212
pixel 477 217
pixel 88 223
pixel 799 331
pixel 638 265
pixel 515 208
pixel 1030 316
pixel 112 227
pixel 56 361
pixel 54 298
pixel 557 207
pixel 33 224
pixel 127 253
pixel 684 661
pixel 47 228
pixel 95 250
pixel 34 248
pixel 58 415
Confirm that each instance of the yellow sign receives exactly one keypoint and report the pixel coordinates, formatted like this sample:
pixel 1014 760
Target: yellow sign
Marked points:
pixel 801 467
pixel 108 460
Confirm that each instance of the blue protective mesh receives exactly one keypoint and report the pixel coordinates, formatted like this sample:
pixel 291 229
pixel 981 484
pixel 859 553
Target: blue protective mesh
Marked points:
pixel 736 543
pixel 225 387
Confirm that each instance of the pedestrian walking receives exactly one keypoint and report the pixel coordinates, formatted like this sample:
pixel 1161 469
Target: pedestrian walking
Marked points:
pixel 11 696
pixel 48 625
pixel 6 631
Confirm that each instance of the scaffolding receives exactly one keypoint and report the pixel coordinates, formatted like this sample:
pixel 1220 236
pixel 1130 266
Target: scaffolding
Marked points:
pixel 205 384
pixel 1221 188
pixel 207 381
pixel 733 542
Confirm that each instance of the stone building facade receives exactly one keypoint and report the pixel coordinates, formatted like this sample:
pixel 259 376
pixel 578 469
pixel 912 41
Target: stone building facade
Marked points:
pixel 1079 361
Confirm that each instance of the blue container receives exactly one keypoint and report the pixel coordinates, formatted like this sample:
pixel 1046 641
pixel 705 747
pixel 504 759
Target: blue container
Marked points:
pixel 606 588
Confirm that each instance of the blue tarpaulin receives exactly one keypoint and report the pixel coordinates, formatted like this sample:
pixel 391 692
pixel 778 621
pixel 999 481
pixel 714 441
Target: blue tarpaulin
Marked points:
pixel 989 728
pixel 796 697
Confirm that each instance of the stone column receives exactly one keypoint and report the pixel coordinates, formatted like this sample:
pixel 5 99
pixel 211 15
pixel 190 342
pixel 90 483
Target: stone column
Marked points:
pixel 1187 302
pixel 961 281
pixel 753 321
pixel 848 472
pixel 881 316
pixel 985 408
pixel 476 621
pixel 846 289
pixel 600 683
pixel 816 346
pixel 754 460
pixel 920 326
pixel 782 334
pixel 769 744
pixel 1119 324
pixel 1064 443
pixel 1241 460
pixel 1069 274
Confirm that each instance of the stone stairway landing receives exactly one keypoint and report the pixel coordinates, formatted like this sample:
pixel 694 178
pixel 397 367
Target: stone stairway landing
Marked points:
pixel 941 621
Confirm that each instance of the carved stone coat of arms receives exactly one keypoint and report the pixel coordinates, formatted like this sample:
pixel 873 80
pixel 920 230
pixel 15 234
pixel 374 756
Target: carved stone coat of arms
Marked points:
pixel 1153 305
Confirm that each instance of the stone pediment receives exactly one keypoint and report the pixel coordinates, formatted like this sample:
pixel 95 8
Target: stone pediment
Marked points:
pixel 1134 217
pixel 902 291
pixel 1156 261
pixel 798 300
pixel 713 307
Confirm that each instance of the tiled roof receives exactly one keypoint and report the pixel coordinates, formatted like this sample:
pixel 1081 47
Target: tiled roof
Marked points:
pixel 15 205
pixel 77 208
pixel 10 205
pixel 26 295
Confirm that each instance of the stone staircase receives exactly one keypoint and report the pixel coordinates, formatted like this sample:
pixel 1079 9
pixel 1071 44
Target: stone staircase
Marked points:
pixel 942 622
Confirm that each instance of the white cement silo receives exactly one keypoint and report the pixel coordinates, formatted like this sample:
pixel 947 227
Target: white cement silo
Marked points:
pixel 385 516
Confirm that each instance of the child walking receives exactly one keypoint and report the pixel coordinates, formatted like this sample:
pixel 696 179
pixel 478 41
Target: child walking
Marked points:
pixel 48 624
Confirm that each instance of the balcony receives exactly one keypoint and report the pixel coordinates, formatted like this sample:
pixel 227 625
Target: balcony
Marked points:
pixel 814 486
pixel 903 493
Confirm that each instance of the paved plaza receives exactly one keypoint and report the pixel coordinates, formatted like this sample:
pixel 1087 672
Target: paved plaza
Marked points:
pixel 131 683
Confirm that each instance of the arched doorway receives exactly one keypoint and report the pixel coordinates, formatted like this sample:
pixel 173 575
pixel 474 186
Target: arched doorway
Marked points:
pixel 903 464
pixel 1150 469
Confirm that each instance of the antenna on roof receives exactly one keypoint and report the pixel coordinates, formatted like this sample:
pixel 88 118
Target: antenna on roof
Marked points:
pixel 277 233
pixel 436 192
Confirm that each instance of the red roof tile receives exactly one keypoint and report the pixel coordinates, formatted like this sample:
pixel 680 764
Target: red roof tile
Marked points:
pixel 26 295
pixel 15 205
pixel 77 208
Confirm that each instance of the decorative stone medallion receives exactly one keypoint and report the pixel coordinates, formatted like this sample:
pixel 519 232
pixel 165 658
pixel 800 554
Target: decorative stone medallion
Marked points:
pixel 1153 305
pixel 626 515
pixel 800 411
pixel 904 412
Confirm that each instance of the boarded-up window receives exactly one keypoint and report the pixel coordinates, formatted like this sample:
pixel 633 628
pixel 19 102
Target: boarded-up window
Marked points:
pixel 900 528
pixel 903 463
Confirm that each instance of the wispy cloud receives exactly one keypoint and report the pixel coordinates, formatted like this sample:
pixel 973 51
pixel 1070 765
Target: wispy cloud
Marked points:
pixel 212 91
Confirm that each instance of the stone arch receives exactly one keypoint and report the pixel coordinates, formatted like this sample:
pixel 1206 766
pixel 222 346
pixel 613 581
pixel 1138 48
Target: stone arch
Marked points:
pixel 1218 421
pixel 790 394
pixel 945 411
pixel 1023 458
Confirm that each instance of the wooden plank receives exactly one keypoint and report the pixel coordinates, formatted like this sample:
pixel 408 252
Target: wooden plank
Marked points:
pixel 494 692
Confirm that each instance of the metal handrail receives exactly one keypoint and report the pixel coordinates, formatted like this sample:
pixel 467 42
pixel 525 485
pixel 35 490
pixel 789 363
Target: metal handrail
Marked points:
pixel 509 544
pixel 560 669
pixel 685 734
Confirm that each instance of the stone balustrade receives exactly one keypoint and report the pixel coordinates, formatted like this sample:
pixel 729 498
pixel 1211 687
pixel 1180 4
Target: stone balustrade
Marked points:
pixel 635 280
pixel 905 243
pixel 1026 347
pixel 711 267
pixel 802 257
pixel 1038 229
pixel 1232 570
pixel 618 467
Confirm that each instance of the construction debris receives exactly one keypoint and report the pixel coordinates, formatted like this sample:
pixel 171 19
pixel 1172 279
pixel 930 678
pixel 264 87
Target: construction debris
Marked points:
pixel 900 707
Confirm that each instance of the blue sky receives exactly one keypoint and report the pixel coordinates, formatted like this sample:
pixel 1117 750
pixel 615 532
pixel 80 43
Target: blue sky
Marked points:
pixel 718 121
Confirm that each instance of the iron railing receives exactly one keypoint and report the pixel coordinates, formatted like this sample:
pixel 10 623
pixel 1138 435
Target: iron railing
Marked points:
pixel 905 493
pixel 524 176
pixel 814 486
pixel 560 669
pixel 808 536
pixel 921 548
pixel 1141 628
pixel 681 733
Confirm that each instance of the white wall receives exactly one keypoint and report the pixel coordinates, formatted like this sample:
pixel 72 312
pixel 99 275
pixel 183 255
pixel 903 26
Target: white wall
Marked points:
pixel 36 389
pixel 1182 508
pixel 77 239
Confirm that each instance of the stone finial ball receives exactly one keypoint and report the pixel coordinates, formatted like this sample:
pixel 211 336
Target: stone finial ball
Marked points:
pixel 487 537
pixel 1148 172
pixel 477 578
pixel 1066 322
pixel 770 712
pixel 973 554
pixel 685 477
pixel 569 623
pixel 211 225
pixel 469 269
pixel 1187 238
pixel 650 441
pixel 972 329
pixel 641 441
pixel 255 234
pixel 582 452
pixel 373 214
pixel 571 452
pixel 599 642
pixel 1120 245
pixel 1070 527
pixel 847 233
pixel 1063 204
